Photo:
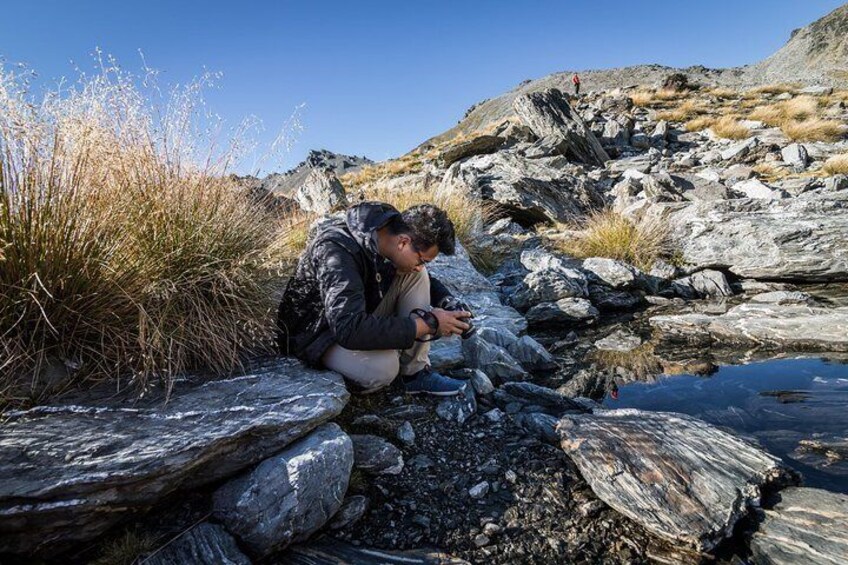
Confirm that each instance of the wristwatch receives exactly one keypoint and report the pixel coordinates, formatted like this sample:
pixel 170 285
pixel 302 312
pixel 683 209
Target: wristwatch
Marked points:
pixel 429 318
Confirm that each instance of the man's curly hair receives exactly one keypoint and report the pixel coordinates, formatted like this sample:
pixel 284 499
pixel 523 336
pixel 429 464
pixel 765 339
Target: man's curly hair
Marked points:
pixel 427 225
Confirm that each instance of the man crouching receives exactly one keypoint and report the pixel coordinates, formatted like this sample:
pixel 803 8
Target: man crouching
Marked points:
pixel 360 302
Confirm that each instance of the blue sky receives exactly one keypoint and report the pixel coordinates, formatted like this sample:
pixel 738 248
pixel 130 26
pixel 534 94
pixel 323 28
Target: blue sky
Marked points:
pixel 378 78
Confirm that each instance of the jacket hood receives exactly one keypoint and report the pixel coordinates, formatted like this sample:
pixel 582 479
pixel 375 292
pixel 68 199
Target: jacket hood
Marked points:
pixel 364 219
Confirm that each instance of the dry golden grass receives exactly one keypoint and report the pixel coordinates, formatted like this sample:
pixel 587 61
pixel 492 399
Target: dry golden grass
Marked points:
pixel 642 97
pixel 686 111
pixel 641 361
pixel 651 98
pixel 770 172
pixel 814 129
pixel 800 108
pixel 608 234
pixel 771 89
pixel 128 256
pixel 369 174
pixel 836 165
pixel 699 124
pixel 724 93
pixel 729 127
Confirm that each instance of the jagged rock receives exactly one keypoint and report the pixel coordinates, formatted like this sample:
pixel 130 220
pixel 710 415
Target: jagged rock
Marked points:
pixel 695 187
pixel 321 192
pixel 549 114
pixel 479 490
pixel 481 382
pixel 290 495
pixel 330 551
pixel 352 509
pixel 798 186
pixel 707 283
pixel 677 476
pixel 549 285
pixel 754 188
pixel 126 457
pixel 619 340
pixel 640 140
pixel 446 353
pixel 564 310
pixel 792 239
pixel 739 149
pixel 835 183
pixel 458 408
pixel 737 173
pixel 607 298
pixel 807 526
pixel 662 270
pixel 538 424
pixel 479 145
pixel 204 544
pixel 287 183
pixel 791 327
pixel 781 297
pixel 613 273
pixel 616 133
pixel 529 353
pixel 796 155
pixel 642 163
pixel 505 226
pixel 527 190
pixel 491 358
pixel 660 133
pixel 536 398
pixel 376 456
pixel 406 434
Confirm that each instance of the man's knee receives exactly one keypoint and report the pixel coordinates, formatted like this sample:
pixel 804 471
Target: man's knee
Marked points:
pixel 379 370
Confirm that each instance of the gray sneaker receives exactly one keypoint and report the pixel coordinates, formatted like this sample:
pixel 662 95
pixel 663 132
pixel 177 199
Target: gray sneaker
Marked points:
pixel 427 381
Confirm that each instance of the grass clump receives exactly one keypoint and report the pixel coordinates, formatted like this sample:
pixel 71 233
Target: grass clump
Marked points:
pixel 608 234
pixel 128 255
pixel 729 127
pixel 836 165
pixel 699 124
pixel 814 129
pixel 771 89
pixel 800 108
pixel 770 172
pixel 686 111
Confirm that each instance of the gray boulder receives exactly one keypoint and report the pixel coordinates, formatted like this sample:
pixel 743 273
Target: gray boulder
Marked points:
pixel 321 192
pixel 783 297
pixel 288 496
pixel 613 273
pixel 491 358
pixel 549 115
pixel 607 298
pixel 807 526
pixel 755 188
pixel 548 285
pixel 565 310
pixel 70 472
pixel 679 477
pixel 479 145
pixel 795 155
pixel 642 163
pixel 707 284
pixel 204 544
pixel 527 190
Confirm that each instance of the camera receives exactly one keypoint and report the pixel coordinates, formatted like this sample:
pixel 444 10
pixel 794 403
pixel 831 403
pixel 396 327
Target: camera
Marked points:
pixel 453 304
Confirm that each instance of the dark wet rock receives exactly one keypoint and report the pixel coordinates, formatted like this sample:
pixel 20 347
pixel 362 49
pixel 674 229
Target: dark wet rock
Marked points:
pixel 446 353
pixel 528 352
pixel 376 456
pixel 549 115
pixel 548 285
pixel 406 434
pixel 481 383
pixel 321 192
pixel 204 544
pixel 70 472
pixel 606 298
pixel 539 425
pixel 807 526
pixel 681 478
pixel 330 551
pixel 351 510
pixel 532 397
pixel 791 326
pixel 566 310
pixel 527 190
pixel 290 495
pixel 480 145
pixel 458 408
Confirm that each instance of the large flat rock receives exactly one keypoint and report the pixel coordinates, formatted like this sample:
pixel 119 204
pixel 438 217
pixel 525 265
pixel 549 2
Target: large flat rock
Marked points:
pixel 67 473
pixel 798 239
pixel 679 477
pixel 807 526
pixel 795 326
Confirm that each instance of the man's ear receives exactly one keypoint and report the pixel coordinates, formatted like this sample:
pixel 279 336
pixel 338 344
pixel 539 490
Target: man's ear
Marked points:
pixel 403 239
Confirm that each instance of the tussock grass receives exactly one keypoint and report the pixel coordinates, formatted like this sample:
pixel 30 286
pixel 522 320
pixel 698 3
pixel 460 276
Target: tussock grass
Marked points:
pixel 800 108
pixel 609 234
pixel 770 172
pixel 686 111
pixel 771 89
pixel 128 255
pixel 127 549
pixel 651 98
pixel 642 97
pixel 729 127
pixel 370 174
pixel 814 129
pixel 724 93
pixel 836 165
pixel 699 124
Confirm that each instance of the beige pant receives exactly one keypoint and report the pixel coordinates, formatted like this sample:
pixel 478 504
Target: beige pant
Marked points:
pixel 373 370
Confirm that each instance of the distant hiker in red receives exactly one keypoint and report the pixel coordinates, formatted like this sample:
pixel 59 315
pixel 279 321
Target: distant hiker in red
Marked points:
pixel 575 80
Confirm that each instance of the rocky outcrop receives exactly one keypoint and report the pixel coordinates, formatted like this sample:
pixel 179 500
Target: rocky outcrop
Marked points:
pixel 807 526
pixel 789 326
pixel 69 472
pixel 679 477
pixel 321 193
pixel 288 496
pixel 287 183
pixel 549 115
pixel 480 145
pixel 800 239
pixel 528 190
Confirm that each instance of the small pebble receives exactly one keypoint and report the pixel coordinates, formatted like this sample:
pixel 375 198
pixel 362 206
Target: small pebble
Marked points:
pixel 481 539
pixel 479 490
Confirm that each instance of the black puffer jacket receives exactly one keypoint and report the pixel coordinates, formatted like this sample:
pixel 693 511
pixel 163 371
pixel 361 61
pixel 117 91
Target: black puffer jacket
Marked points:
pixel 339 281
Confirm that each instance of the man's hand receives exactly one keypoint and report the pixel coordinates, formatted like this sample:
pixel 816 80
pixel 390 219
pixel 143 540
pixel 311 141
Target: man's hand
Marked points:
pixel 451 321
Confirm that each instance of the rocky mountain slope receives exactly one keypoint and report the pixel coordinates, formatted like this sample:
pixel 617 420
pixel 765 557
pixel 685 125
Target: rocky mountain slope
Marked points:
pixel 284 184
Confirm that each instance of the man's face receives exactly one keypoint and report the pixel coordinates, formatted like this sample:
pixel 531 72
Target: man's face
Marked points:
pixel 408 259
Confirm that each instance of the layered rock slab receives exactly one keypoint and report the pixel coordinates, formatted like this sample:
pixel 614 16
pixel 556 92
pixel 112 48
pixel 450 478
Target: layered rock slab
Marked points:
pixel 795 326
pixel 69 472
pixel 677 476
pixel 807 526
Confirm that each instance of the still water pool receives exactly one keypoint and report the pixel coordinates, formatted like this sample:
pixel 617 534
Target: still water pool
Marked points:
pixel 796 408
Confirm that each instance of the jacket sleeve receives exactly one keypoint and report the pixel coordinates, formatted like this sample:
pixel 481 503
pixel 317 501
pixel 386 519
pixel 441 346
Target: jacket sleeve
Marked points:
pixel 343 294
pixel 437 291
